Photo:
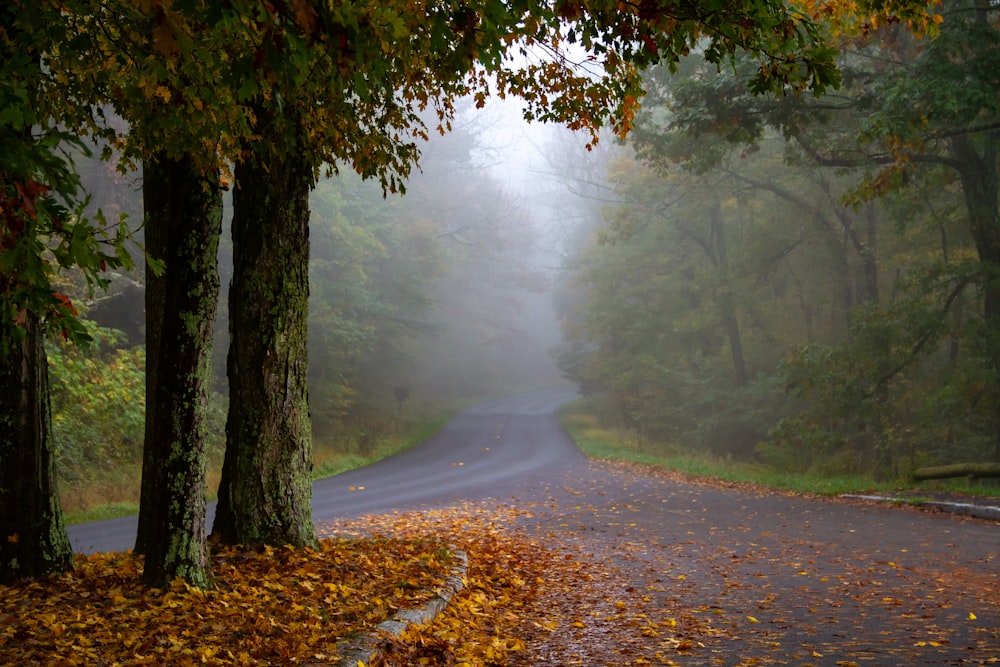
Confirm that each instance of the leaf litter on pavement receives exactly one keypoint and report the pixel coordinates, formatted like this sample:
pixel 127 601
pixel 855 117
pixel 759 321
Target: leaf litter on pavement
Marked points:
pixel 552 583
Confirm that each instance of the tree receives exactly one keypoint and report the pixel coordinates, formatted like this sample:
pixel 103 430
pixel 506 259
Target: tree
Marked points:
pixel 401 62
pixel 184 214
pixel 153 65
pixel 266 488
pixel 42 231
pixel 890 134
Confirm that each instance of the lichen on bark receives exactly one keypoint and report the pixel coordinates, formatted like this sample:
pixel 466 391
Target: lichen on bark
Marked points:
pixel 265 495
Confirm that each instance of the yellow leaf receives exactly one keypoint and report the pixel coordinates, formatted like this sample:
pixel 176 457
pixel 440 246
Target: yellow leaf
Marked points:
pixel 752 619
pixel 578 624
pixel 972 616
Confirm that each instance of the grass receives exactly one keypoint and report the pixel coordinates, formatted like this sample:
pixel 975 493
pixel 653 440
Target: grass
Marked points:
pixel 111 491
pixel 615 445
pixel 330 457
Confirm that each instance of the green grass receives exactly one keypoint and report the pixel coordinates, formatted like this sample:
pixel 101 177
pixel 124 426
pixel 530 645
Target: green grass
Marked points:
pixel 331 459
pixel 602 443
pixel 101 512
pixel 114 492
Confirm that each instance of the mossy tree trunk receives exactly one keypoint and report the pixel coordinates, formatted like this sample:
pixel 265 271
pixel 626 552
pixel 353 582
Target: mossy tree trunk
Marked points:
pixel 265 495
pixel 33 539
pixel 183 206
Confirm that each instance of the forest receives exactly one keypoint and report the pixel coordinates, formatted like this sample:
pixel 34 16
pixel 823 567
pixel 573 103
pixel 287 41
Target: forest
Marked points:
pixel 783 242
pixel 805 282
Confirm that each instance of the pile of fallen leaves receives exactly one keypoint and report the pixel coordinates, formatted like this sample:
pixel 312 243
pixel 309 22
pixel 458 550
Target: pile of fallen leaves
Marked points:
pixel 270 606
pixel 527 599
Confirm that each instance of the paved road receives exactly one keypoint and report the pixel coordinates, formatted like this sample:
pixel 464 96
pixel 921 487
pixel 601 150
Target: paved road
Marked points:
pixel 765 578
pixel 490 450
pixel 760 578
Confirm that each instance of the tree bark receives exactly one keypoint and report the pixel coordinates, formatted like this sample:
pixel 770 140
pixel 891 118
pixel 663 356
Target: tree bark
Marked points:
pixel 265 495
pixel 33 539
pixel 981 188
pixel 183 206
pixel 727 302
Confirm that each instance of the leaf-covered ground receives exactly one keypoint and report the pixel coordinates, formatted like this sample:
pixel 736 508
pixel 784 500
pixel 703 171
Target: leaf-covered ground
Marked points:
pixel 269 607
pixel 623 568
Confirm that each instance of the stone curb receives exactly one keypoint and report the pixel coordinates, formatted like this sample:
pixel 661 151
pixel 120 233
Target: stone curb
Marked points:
pixel 964 509
pixel 367 649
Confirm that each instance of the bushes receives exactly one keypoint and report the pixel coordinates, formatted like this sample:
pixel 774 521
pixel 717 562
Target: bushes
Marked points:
pixel 98 400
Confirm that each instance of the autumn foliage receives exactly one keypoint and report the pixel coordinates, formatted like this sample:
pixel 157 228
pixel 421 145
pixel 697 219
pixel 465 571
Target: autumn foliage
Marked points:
pixel 270 606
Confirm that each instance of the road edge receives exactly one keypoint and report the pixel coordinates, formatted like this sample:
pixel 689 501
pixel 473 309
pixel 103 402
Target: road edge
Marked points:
pixel 368 648
pixel 964 509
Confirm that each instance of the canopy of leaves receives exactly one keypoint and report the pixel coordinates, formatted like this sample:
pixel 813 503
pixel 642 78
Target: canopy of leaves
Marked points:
pixel 42 227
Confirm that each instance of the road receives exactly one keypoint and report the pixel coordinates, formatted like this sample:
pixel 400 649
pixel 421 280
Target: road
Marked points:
pixel 757 577
pixel 753 577
pixel 491 450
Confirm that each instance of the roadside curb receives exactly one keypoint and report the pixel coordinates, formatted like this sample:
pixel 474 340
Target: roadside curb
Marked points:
pixel 965 509
pixel 367 649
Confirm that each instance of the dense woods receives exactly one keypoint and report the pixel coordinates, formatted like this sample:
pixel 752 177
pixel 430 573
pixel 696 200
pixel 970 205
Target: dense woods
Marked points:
pixel 753 216
pixel 806 282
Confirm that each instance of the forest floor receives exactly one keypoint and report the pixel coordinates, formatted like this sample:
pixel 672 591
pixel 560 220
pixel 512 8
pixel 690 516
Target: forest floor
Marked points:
pixel 622 566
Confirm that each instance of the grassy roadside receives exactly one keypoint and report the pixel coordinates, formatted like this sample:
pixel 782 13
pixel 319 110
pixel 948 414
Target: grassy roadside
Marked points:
pixel 602 443
pixel 114 491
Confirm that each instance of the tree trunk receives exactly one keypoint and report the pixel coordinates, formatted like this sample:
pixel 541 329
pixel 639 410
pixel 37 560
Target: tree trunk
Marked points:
pixel 727 302
pixel 33 539
pixel 265 495
pixel 183 224
pixel 981 188
pixel 958 470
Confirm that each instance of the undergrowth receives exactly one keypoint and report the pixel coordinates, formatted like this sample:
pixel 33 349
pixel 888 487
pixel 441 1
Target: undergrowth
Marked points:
pixel 603 443
pixel 96 492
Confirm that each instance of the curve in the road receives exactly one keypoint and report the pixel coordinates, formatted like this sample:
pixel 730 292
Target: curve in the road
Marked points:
pixel 489 450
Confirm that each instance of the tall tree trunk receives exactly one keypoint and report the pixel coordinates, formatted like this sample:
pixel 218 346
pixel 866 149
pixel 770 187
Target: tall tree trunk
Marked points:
pixel 33 539
pixel 726 300
pixel 981 188
pixel 265 495
pixel 183 223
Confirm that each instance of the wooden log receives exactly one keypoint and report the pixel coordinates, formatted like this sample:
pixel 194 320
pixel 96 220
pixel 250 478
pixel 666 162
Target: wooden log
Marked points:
pixel 958 470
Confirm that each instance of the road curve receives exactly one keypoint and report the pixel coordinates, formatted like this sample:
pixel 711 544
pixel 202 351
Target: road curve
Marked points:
pixel 490 450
